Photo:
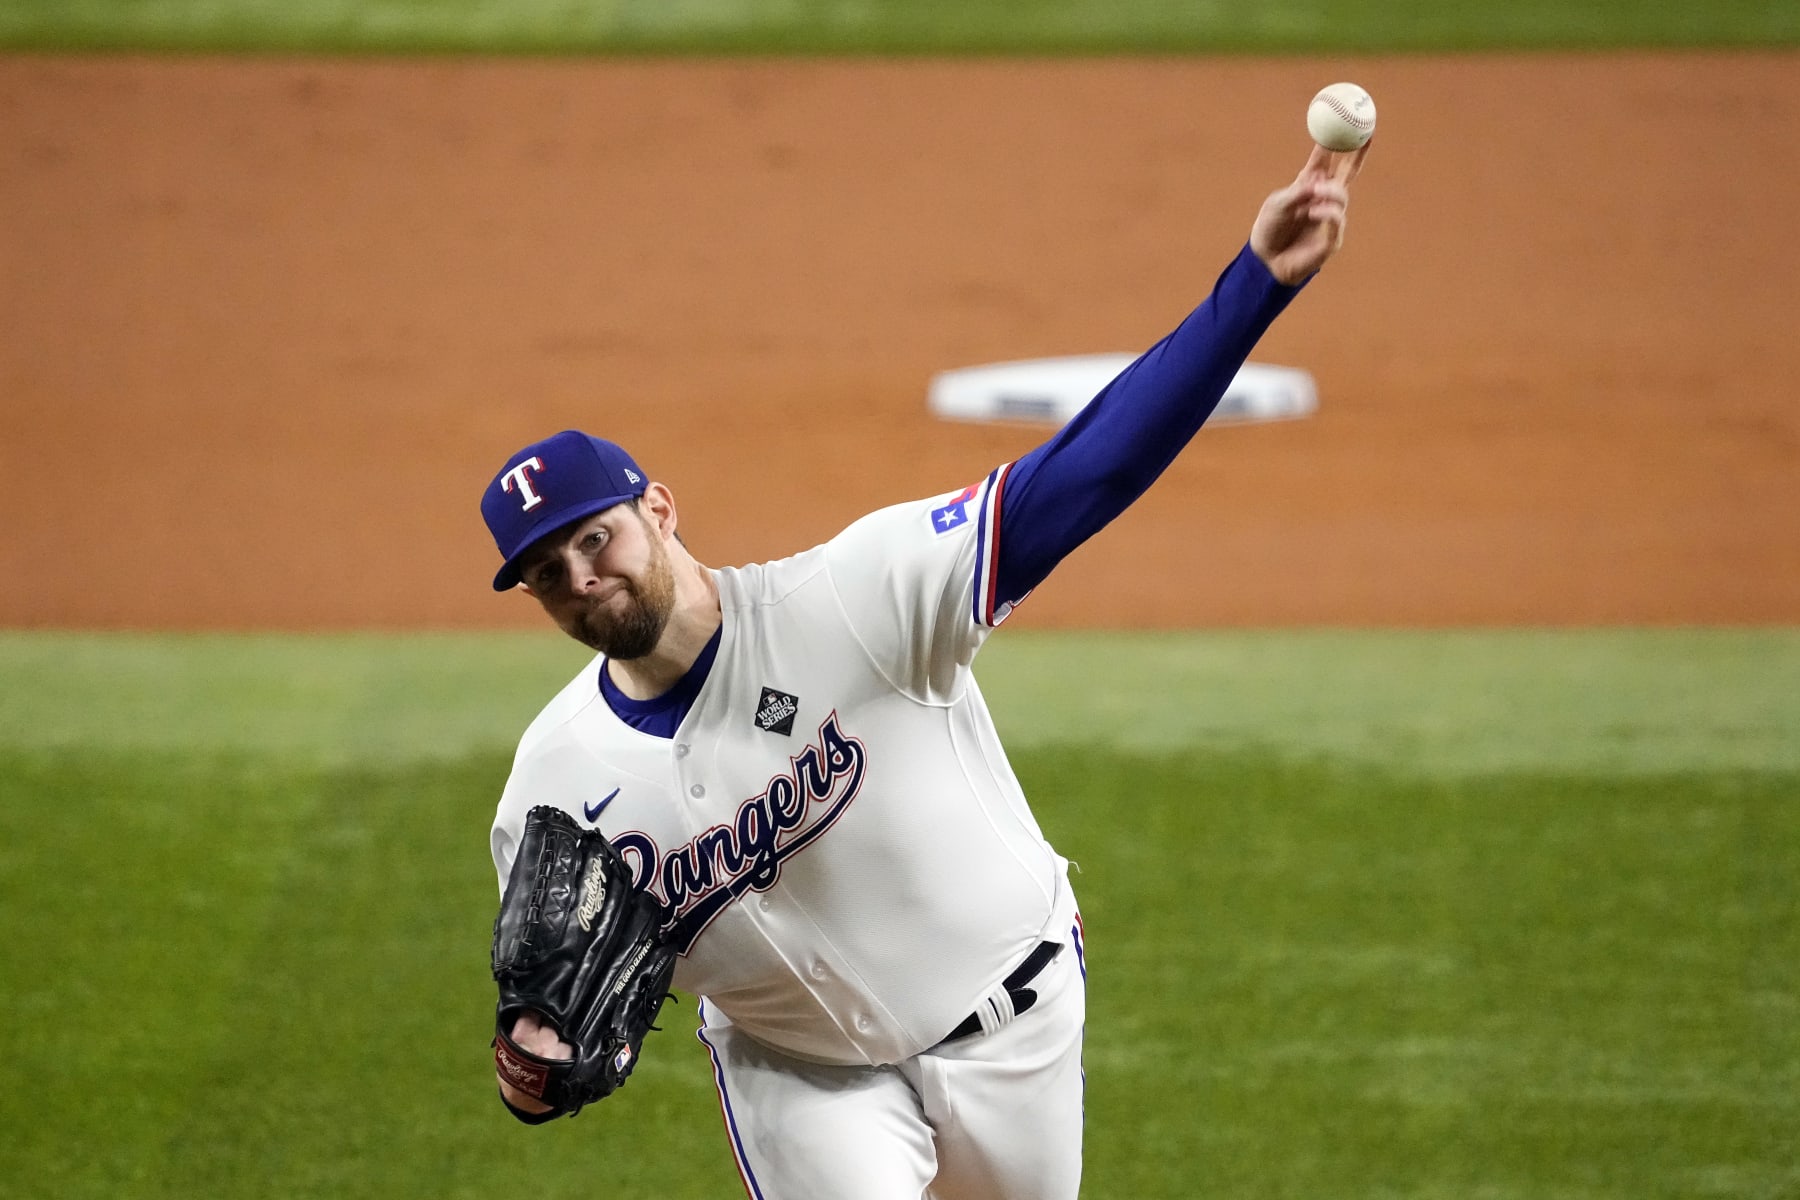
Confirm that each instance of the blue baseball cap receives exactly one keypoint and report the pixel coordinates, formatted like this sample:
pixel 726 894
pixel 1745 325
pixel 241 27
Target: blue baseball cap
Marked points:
pixel 548 484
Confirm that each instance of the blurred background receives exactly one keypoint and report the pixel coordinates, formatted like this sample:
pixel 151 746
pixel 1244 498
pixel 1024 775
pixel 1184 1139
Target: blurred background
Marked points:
pixel 1433 761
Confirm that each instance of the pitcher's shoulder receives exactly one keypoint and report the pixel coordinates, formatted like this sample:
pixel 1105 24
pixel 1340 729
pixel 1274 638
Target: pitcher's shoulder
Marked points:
pixel 574 698
pixel 764 583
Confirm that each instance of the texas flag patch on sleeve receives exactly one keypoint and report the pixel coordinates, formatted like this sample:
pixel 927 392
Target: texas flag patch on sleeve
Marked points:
pixel 955 513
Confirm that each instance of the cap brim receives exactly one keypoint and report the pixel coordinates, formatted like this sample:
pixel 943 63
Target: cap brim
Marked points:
pixel 508 576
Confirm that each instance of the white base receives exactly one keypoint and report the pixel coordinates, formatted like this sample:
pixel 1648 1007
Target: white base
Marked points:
pixel 1052 390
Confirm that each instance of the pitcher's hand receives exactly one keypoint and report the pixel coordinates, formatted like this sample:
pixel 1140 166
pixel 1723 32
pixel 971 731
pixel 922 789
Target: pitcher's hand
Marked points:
pixel 1301 226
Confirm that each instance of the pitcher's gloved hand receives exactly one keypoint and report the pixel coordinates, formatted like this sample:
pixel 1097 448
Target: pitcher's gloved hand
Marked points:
pixel 581 963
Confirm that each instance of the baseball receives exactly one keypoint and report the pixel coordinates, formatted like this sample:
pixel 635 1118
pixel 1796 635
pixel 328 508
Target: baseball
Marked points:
pixel 1341 117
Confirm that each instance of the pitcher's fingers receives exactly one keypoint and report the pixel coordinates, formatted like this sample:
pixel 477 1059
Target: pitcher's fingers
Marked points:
pixel 1331 189
pixel 1317 163
pixel 1288 204
pixel 1332 222
pixel 1326 209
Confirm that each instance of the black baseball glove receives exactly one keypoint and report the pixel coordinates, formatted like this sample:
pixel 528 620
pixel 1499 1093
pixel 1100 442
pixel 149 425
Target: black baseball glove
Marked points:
pixel 575 942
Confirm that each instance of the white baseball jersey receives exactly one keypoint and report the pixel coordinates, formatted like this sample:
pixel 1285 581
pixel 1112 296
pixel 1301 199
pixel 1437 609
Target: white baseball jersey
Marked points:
pixel 849 857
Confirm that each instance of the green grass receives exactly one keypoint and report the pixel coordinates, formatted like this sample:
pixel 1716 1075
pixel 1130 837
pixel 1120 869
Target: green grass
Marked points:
pixel 231 980
pixel 1370 915
pixel 1344 983
pixel 1448 702
pixel 887 27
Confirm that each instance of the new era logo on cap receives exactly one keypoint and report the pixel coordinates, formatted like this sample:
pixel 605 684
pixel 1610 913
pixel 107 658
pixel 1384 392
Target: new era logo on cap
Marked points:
pixel 549 484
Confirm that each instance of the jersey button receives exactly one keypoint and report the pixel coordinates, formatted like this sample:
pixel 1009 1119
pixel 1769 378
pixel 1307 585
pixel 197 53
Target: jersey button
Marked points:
pixel 818 968
pixel 681 749
pixel 863 1024
pixel 697 791
pixel 763 904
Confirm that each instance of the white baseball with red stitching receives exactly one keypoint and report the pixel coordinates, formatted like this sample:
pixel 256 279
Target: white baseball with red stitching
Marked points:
pixel 1341 117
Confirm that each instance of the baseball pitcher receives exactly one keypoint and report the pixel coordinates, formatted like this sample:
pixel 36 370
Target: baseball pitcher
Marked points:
pixel 801 795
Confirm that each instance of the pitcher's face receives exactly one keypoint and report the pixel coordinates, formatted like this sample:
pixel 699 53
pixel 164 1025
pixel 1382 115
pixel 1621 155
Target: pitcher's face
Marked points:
pixel 606 581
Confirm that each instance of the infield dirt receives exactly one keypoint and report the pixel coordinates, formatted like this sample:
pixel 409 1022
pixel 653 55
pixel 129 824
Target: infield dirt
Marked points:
pixel 271 325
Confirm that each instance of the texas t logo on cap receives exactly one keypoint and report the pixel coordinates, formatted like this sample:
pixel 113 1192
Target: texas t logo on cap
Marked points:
pixel 521 477
pixel 552 483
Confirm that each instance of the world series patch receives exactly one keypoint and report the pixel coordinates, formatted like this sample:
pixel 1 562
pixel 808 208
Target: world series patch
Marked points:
pixel 775 711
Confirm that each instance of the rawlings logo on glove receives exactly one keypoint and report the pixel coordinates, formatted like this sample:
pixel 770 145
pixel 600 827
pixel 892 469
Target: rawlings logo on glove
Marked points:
pixel 593 895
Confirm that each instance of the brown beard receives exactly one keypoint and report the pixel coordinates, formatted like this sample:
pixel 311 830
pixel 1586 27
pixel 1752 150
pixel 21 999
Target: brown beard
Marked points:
pixel 635 632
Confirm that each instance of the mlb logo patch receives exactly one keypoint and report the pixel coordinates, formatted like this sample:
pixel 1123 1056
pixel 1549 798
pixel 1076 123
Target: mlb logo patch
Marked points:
pixel 775 712
pixel 622 1058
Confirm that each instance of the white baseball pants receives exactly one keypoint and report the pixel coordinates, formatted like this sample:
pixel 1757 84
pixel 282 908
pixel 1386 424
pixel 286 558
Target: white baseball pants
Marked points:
pixel 992 1116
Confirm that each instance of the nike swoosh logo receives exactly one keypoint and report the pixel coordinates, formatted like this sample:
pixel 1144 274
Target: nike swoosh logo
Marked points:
pixel 593 810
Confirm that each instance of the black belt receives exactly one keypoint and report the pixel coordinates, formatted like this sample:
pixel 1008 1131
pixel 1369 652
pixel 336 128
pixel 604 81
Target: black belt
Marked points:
pixel 1022 996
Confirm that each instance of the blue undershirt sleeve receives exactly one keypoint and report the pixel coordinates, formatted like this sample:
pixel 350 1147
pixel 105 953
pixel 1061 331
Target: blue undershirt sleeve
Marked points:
pixel 1066 490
